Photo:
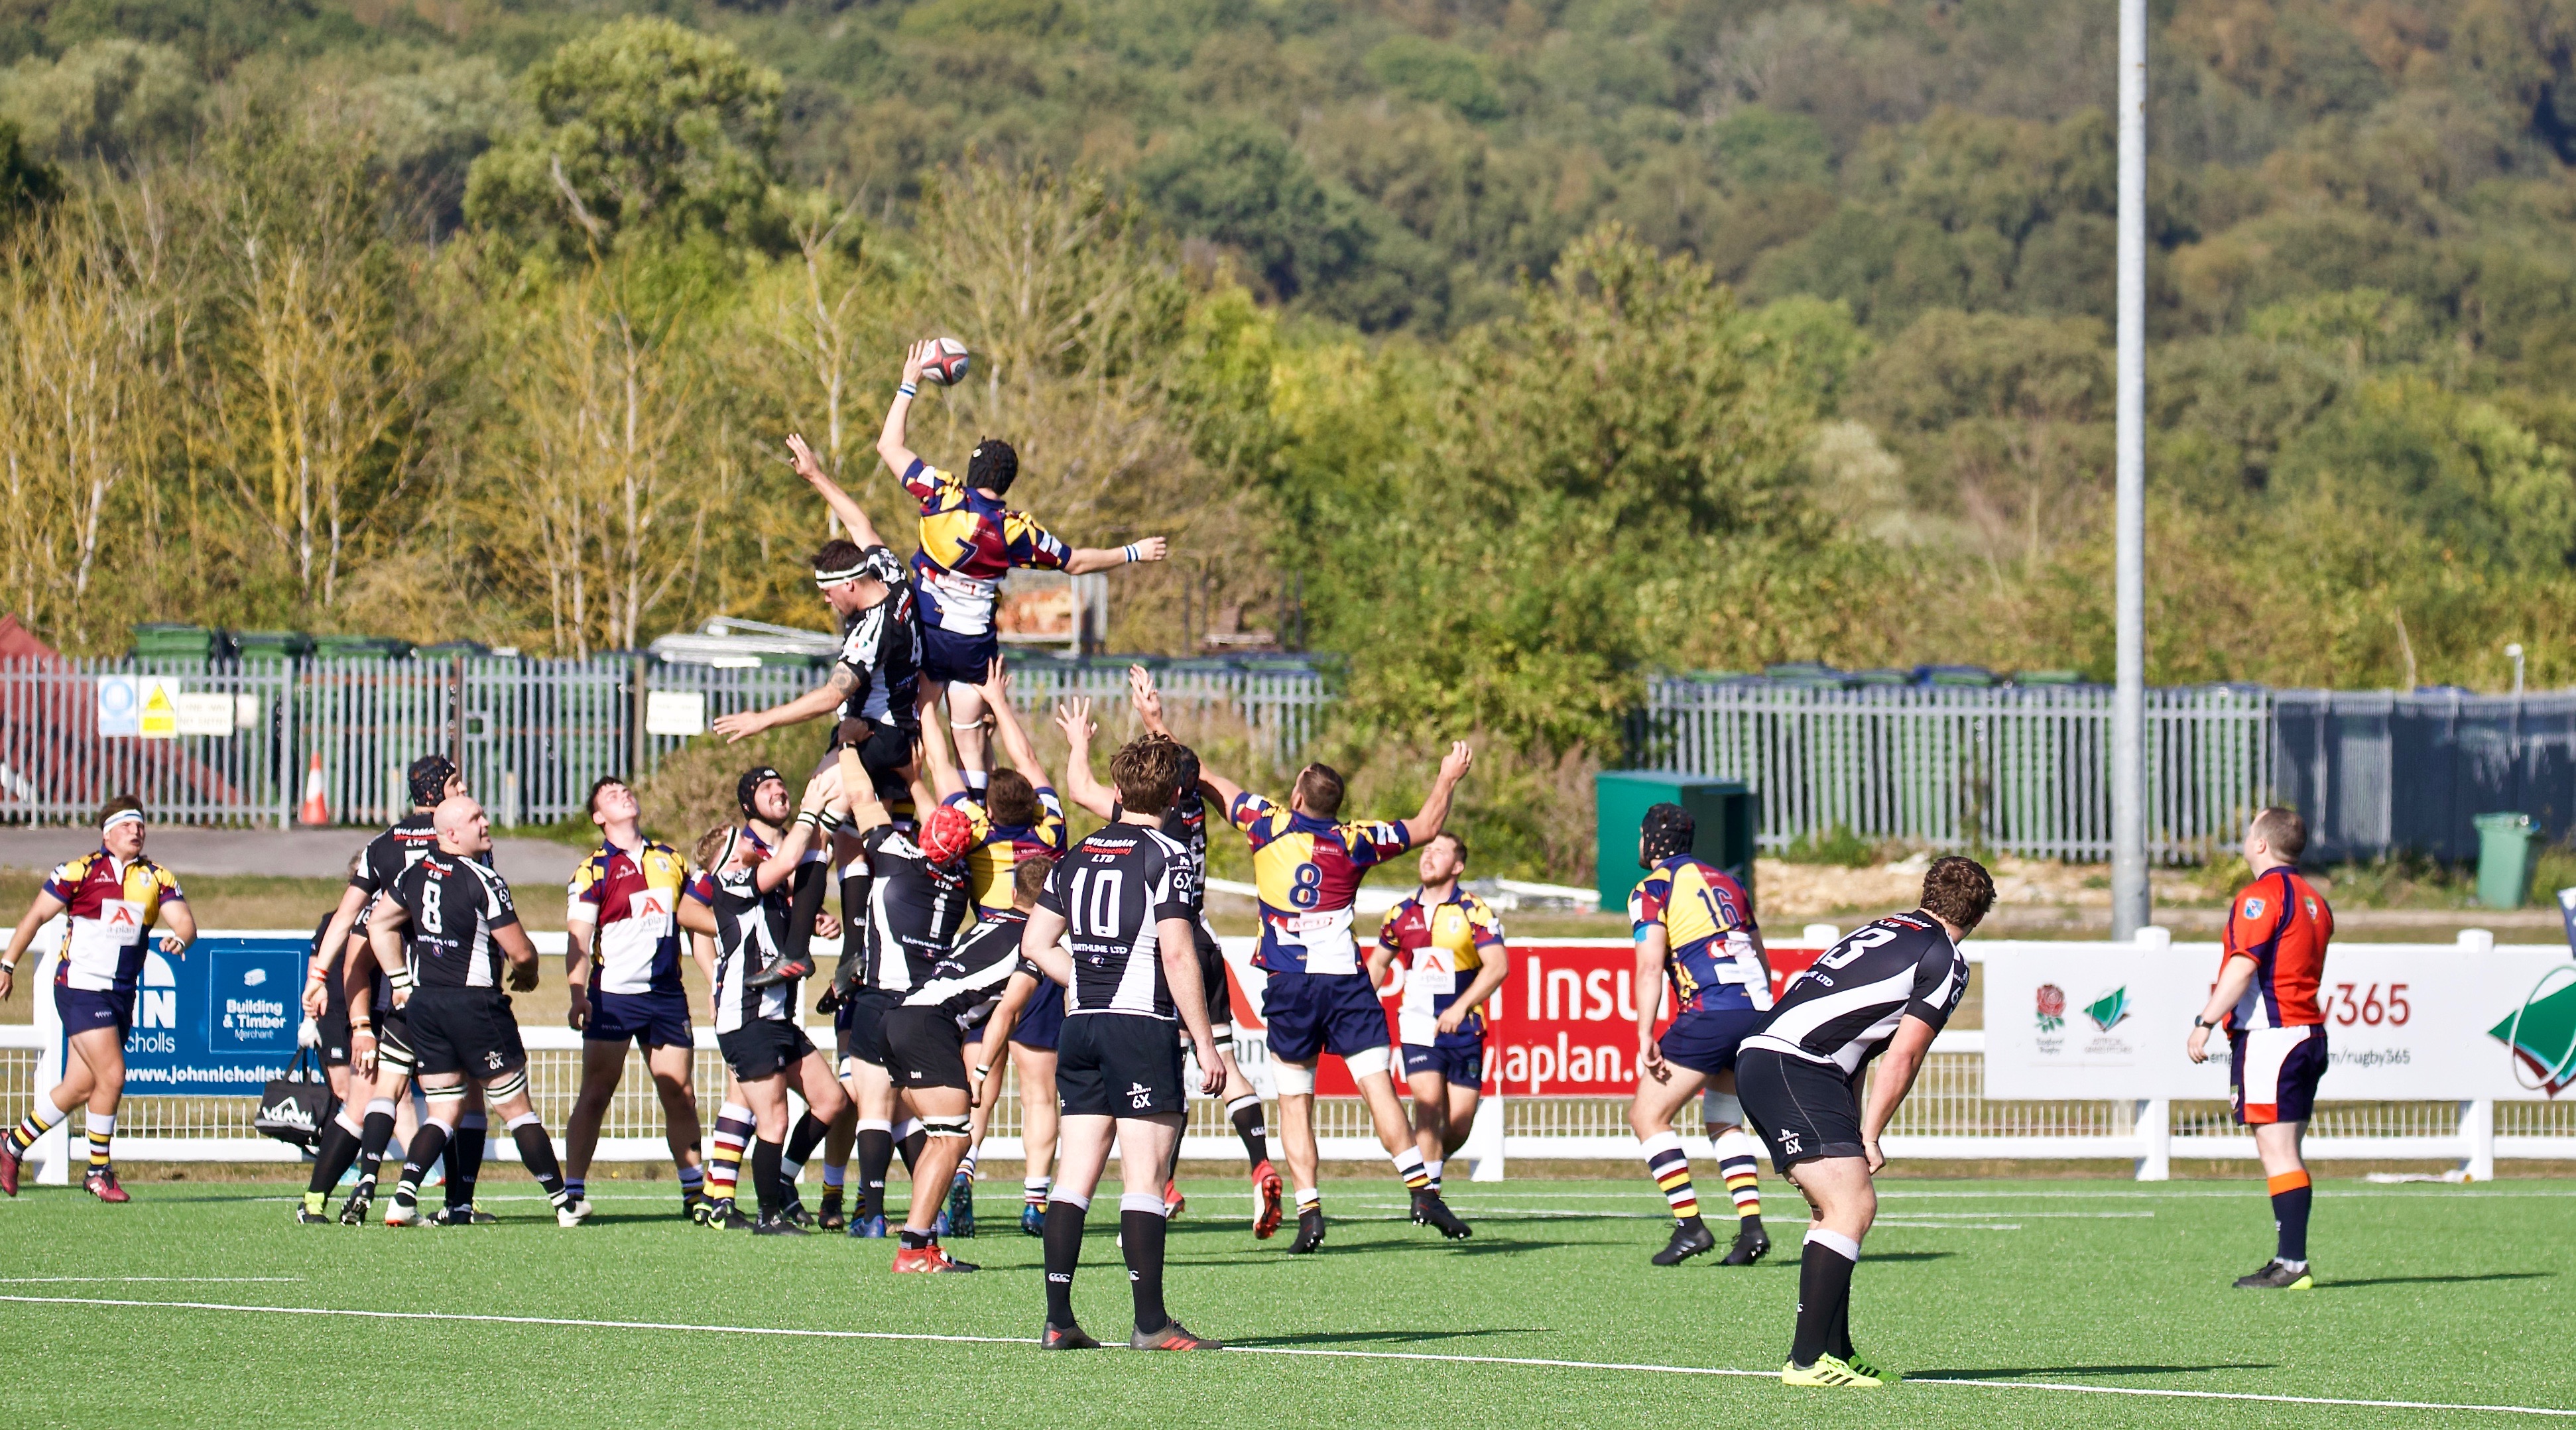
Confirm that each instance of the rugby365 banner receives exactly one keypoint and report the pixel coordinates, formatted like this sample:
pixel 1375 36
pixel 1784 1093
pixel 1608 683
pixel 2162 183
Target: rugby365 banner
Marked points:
pixel 2402 1021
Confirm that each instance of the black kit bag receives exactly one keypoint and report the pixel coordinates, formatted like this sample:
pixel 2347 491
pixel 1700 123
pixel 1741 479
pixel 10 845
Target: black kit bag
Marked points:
pixel 296 1107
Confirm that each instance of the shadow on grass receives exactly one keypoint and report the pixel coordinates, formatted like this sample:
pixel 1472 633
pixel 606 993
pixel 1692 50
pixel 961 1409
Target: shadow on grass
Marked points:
pixel 2341 1285
pixel 2012 1372
pixel 1334 1338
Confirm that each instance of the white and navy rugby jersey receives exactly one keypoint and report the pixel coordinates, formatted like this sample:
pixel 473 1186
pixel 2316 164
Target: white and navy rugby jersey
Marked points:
pixel 454 905
pixel 969 980
pixel 1112 890
pixel 751 927
pixel 1844 1010
pixel 914 909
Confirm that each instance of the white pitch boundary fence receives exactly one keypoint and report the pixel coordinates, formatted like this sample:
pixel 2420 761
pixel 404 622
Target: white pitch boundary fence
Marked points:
pixel 1947 1117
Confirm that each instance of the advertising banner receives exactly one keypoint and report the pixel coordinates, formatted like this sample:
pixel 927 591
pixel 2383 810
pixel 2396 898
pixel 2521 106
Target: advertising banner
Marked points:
pixel 217 1021
pixel 1562 1025
pixel 2402 1022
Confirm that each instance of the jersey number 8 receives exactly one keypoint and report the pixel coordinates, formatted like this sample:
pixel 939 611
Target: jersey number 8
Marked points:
pixel 1308 888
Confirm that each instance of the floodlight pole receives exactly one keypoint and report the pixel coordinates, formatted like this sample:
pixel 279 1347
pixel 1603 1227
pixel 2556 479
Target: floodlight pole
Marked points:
pixel 2129 907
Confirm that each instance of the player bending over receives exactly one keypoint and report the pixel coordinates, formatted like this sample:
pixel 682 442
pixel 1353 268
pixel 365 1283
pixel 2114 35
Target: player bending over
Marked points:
pixel 110 899
pixel 969 543
pixel 622 962
pixel 1452 947
pixel 1694 930
pixel 1887 988
pixel 447 980
pixel 1121 896
pixel 2266 998
pixel 1319 999
pixel 756 1028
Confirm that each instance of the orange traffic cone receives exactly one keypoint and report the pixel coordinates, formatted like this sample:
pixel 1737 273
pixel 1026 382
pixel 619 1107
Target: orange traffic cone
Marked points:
pixel 316 809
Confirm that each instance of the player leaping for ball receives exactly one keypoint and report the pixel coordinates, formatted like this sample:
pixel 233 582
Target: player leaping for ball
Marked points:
pixel 1319 1000
pixel 969 543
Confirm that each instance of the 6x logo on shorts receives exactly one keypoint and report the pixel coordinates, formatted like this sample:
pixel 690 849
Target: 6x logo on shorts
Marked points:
pixel 1789 1144
pixel 1139 1096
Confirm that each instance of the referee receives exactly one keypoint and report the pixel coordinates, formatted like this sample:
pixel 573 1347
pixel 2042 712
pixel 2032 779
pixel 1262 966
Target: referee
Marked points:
pixel 1886 989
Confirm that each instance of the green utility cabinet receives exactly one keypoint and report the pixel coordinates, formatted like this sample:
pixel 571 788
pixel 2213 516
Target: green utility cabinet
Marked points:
pixel 1722 809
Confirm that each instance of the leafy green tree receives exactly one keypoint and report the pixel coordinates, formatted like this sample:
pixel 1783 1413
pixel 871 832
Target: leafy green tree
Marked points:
pixel 27 184
pixel 643 129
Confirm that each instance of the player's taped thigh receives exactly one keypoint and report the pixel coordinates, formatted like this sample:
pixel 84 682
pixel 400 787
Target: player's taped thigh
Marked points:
pixel 960 1127
pixel 1722 1108
pixel 1292 1080
pixel 1369 1060
pixel 446 1104
pixel 504 1088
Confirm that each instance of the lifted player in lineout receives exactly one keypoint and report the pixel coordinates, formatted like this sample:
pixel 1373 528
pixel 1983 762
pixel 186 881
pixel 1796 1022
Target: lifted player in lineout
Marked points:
pixel 110 899
pixel 1695 937
pixel 2266 998
pixel 1888 988
pixel 1319 999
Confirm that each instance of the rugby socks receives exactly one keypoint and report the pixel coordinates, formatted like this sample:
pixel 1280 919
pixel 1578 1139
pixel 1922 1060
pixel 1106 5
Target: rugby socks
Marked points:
pixel 766 1157
pixel 966 1164
pixel 1825 1269
pixel 1736 1154
pixel 40 1120
pixel 1431 1169
pixel 465 1158
pixel 102 1132
pixel 808 1134
pixel 577 1187
pixel 693 1178
pixel 339 1149
pixel 835 1176
pixel 1408 1169
pixel 876 1154
pixel 1063 1245
pixel 909 1139
pixel 1309 1199
pixel 1250 1125
pixel 537 1153
pixel 724 1158
pixel 978 782
pixel 2291 1194
pixel 375 1135
pixel 1033 1190
pixel 1666 1163
pixel 1141 1229
pixel 426 1145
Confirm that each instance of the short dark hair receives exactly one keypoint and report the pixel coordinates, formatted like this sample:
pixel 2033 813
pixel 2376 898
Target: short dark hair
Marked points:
pixel 1321 787
pixel 2285 829
pixel 1011 800
pixel 993 465
pixel 837 555
pixel 1028 880
pixel 1455 838
pixel 1146 770
pixel 117 806
pixel 1958 889
pixel 590 805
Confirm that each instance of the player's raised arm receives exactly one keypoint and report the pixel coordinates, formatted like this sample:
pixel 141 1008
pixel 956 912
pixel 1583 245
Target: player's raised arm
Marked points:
pixel 1073 717
pixel 1435 805
pixel 1086 559
pixel 1224 790
pixel 898 457
pixel 843 505
pixel 821 700
pixel 996 691
pixel 936 759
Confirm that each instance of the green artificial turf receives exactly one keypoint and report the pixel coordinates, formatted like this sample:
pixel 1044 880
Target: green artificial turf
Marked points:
pixel 2429 1293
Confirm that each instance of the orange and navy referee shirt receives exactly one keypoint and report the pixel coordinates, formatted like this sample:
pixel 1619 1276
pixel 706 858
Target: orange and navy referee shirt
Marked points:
pixel 2282 924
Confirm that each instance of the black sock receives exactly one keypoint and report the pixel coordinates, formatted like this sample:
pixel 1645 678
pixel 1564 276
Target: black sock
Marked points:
pixel 426 1144
pixel 911 1147
pixel 915 1240
pixel 2290 1221
pixel 465 1158
pixel 1063 1243
pixel 1254 1130
pixel 876 1153
pixel 1824 1296
pixel 764 1175
pixel 339 1148
pixel 803 906
pixel 1838 1338
pixel 807 1135
pixel 1140 1234
pixel 537 1151
pixel 379 1135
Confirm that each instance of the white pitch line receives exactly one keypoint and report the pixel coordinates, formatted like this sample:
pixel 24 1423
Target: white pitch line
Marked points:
pixel 198 1280
pixel 1429 1356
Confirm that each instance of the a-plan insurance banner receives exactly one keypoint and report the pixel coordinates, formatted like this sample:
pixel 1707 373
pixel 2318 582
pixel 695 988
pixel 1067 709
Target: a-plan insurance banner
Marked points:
pixel 2403 1021
pixel 1564 1023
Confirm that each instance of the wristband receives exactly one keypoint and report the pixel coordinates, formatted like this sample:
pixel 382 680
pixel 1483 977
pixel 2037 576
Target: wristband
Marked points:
pixel 808 818
pixel 367 1028
pixel 1129 551
pixel 313 973
pixel 983 1070
pixel 6 967
pixel 908 390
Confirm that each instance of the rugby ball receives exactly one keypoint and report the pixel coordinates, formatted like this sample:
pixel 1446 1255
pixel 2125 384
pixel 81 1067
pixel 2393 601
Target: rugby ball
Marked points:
pixel 948 362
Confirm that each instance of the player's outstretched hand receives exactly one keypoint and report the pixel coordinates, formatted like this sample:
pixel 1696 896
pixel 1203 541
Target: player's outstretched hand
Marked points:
pixel 1073 717
pixel 808 466
pixel 1460 759
pixel 1153 548
pixel 739 726
pixel 1147 700
pixel 996 684
pixel 917 357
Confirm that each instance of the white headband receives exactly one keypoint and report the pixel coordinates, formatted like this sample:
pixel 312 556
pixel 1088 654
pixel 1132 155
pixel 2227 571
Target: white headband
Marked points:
pixel 120 817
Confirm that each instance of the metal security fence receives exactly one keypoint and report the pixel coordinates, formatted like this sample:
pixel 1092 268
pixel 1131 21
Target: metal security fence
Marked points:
pixel 2025 771
pixel 2376 771
pixel 530 734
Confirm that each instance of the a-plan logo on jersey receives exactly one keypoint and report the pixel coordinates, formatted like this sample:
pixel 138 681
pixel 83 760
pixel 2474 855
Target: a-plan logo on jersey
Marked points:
pixel 1139 1096
pixel 2052 1007
pixel 2107 1010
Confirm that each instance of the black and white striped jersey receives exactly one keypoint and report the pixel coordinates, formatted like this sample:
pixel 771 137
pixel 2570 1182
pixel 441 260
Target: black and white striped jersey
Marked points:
pixel 1844 1009
pixel 751 927
pixel 882 647
pixel 914 910
pixel 968 982
pixel 1113 889
pixel 454 905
